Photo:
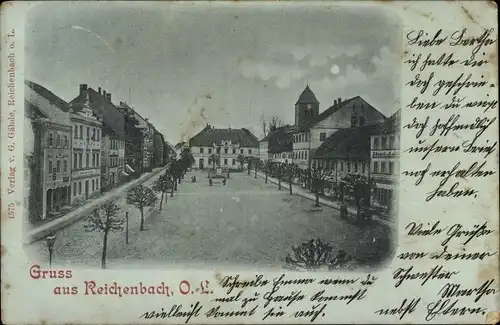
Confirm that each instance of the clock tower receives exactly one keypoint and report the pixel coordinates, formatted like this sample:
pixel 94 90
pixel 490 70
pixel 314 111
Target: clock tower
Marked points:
pixel 306 107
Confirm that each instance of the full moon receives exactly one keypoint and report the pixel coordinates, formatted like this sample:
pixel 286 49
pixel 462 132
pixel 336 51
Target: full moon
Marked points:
pixel 334 69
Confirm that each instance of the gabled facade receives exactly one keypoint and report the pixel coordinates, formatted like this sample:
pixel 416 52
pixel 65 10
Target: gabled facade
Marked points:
pixel 226 144
pixel 113 133
pixel 351 113
pixel 49 157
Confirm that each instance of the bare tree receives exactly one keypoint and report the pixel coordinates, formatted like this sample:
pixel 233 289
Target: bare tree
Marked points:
pixel 265 165
pixel 141 197
pixel 105 219
pixel 263 124
pixel 310 255
pixel 241 160
pixel 291 171
pixel 163 185
pixel 274 122
pixel 318 176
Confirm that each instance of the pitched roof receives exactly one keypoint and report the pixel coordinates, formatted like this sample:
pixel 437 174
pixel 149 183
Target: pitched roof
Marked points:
pixel 329 111
pixel 210 135
pixel 349 143
pixel 46 102
pixel 50 96
pixel 307 96
pixel 279 140
pixel 113 118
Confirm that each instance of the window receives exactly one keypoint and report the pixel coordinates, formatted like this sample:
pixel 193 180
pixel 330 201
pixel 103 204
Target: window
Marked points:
pixel 375 143
pixel 93 160
pixel 97 183
pixel 201 150
pixel 361 120
pixel 342 166
pixel 322 136
pixel 305 154
pixel 80 188
pixel 80 160
pixel 355 167
pixel 58 166
pixel 93 133
pixel 234 151
pixel 225 161
pixel 97 160
pixel 364 168
pixel 234 161
pixel 241 151
pixel 93 184
pixel 249 151
pixel 76 134
pixel 382 167
pixel 375 167
pixel 97 134
pixel 218 150
pixel 391 142
pixel 348 167
pixel 209 150
pixel 384 142
pixel 354 120
pixel 225 151
pixel 74 189
pixel 391 167
pixel 50 167
pixel 88 132
pixel 51 139
pixel 87 159
pixel 66 142
pixel 58 140
pixel 81 131
pixel 65 166
pixel 75 161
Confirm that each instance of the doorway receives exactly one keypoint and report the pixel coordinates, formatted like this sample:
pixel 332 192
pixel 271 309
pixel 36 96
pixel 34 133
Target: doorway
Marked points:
pixel 201 163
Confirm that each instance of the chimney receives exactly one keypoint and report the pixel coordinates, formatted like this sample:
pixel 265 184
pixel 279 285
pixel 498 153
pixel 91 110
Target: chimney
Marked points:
pixel 83 88
pixel 99 90
pixel 334 102
pixel 339 101
pixel 108 96
pixel 104 93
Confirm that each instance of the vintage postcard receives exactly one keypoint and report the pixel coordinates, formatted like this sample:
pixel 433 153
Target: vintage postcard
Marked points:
pixel 249 162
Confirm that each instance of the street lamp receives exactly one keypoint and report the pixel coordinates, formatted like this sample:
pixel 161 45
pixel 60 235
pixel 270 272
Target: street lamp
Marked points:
pixel 51 239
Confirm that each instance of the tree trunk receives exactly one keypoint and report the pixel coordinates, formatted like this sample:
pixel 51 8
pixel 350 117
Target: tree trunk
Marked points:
pixel 175 184
pixel 161 200
pixel 255 172
pixel 279 182
pixel 104 250
pixel 290 182
pixel 249 168
pixel 142 219
pixel 266 177
pixel 317 196
pixel 172 192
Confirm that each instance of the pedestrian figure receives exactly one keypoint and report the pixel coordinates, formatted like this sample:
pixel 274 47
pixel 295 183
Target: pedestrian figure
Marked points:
pixel 224 182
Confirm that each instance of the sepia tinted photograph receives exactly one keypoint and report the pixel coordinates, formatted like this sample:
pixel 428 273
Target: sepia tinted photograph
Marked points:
pixel 249 136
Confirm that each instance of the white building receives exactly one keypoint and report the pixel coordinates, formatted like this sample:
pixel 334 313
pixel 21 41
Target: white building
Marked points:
pixel 87 139
pixel 385 161
pixel 312 128
pixel 225 146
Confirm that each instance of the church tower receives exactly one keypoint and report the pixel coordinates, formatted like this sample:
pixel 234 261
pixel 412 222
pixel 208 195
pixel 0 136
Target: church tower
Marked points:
pixel 306 107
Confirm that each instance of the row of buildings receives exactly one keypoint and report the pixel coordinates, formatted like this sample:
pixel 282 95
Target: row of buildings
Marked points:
pixel 76 150
pixel 349 137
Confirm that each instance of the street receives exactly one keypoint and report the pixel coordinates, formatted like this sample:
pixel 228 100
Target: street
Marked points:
pixel 246 222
